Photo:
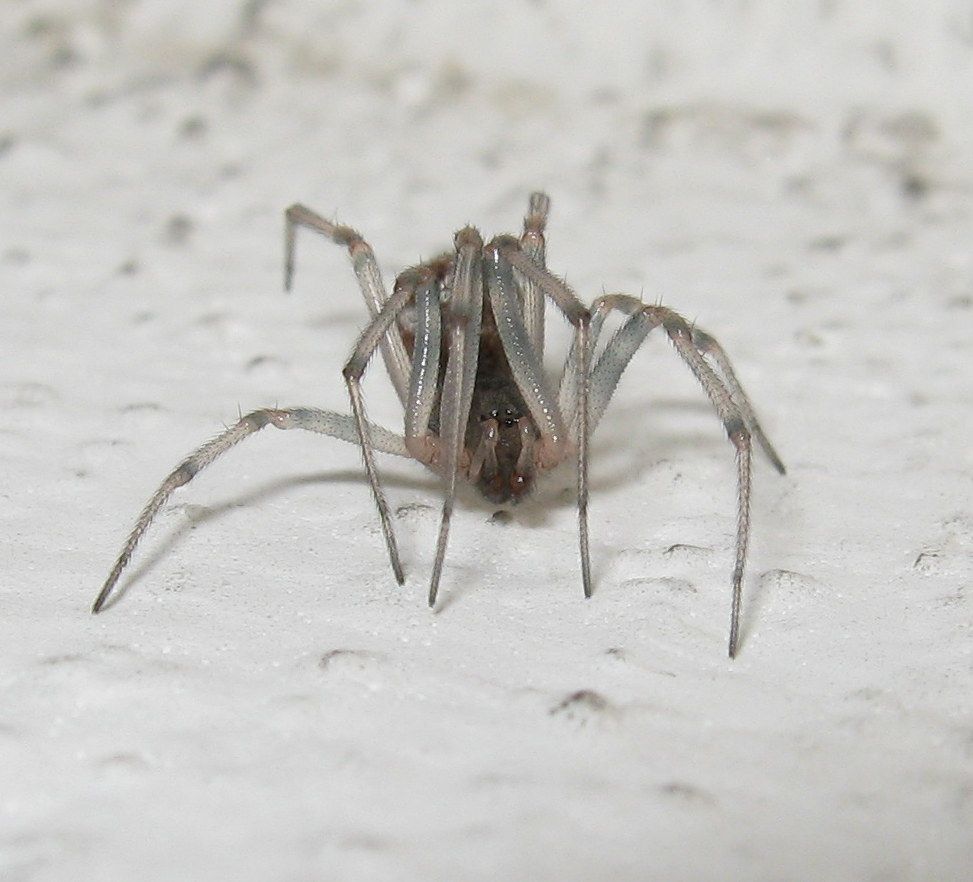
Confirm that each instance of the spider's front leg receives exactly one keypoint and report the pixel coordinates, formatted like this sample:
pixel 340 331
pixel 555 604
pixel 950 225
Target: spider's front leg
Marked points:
pixel 419 286
pixel 508 262
pixel 464 320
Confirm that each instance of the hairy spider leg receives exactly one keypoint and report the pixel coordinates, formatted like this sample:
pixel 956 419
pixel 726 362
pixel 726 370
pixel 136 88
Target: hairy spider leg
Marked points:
pixel 354 428
pixel 403 295
pixel 533 245
pixel 322 422
pixel 464 316
pixel 726 394
pixel 708 345
pixel 504 258
pixel 369 277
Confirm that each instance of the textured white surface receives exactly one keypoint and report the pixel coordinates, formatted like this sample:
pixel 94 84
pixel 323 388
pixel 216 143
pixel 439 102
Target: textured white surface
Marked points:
pixel 263 702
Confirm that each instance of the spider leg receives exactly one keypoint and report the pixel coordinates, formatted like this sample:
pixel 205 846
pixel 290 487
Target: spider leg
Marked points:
pixel 354 369
pixel 725 393
pixel 709 346
pixel 323 422
pixel 571 376
pixel 424 377
pixel 627 340
pixel 464 317
pixel 369 280
pixel 504 259
pixel 533 245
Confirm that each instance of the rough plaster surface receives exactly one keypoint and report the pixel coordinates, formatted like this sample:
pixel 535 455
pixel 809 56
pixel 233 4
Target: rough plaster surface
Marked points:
pixel 263 702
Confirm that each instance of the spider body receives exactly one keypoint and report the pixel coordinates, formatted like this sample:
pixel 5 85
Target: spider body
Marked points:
pixel 500 432
pixel 462 338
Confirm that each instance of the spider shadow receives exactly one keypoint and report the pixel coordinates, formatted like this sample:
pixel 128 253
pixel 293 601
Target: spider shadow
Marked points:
pixel 200 515
pixel 621 456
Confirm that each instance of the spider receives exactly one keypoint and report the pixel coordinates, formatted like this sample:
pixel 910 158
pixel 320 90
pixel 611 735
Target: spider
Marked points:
pixel 462 338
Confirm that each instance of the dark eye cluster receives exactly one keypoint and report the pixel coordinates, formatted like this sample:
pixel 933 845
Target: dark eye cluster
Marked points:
pixel 507 418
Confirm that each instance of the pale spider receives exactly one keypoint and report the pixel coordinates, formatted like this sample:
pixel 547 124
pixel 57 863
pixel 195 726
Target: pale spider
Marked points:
pixel 462 337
